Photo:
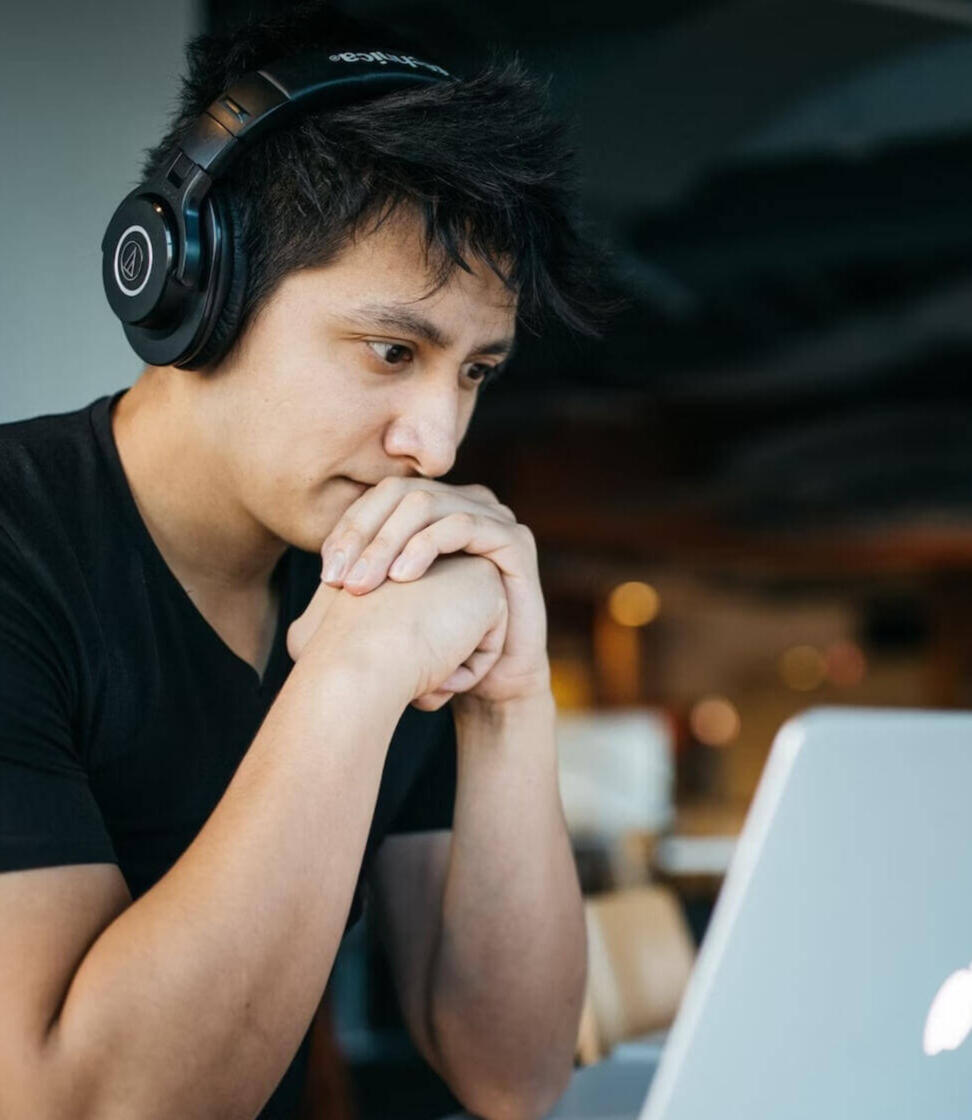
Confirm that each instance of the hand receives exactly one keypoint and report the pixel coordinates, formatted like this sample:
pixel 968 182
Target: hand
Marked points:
pixel 303 628
pixel 423 630
pixel 400 526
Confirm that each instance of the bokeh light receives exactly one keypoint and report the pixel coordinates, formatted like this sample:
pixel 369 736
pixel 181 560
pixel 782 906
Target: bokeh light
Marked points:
pixel 803 668
pixel 715 721
pixel 570 683
pixel 846 664
pixel 634 603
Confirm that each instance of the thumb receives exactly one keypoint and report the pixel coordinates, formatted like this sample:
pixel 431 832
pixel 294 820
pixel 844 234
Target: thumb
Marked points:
pixel 302 629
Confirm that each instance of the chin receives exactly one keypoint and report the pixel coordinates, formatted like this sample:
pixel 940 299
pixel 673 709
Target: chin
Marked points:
pixel 308 528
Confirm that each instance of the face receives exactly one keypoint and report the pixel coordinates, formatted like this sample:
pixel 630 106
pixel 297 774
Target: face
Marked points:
pixel 348 375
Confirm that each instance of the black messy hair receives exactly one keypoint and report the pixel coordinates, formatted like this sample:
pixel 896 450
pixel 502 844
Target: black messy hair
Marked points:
pixel 480 159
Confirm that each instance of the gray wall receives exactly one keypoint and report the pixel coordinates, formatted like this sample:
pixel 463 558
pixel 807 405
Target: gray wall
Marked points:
pixel 84 87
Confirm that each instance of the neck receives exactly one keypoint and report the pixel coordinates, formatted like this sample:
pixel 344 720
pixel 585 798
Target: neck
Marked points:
pixel 183 485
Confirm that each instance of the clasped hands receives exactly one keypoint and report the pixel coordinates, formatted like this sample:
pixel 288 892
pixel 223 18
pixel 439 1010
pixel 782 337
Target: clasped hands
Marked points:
pixel 398 528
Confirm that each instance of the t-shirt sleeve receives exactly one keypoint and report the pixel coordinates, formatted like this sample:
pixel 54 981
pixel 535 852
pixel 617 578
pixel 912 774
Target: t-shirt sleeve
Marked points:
pixel 48 813
pixel 430 801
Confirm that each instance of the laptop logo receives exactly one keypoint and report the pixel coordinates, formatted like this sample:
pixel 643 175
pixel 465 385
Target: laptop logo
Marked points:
pixel 950 1015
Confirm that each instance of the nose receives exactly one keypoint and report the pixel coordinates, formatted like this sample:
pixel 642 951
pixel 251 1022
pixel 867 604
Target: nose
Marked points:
pixel 426 427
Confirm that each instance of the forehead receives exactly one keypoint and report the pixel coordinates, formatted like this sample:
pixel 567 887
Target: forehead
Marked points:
pixel 390 265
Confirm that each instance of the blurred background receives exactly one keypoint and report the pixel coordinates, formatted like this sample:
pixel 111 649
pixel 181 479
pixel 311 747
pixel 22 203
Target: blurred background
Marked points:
pixel 751 496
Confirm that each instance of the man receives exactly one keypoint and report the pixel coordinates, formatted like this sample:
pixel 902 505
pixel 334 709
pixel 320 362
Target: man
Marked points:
pixel 254 654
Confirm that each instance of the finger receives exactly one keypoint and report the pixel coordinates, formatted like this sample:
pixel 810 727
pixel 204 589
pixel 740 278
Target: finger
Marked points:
pixel 302 627
pixel 470 672
pixel 417 511
pixel 363 519
pixel 357 526
pixel 432 701
pixel 463 532
pixel 484 496
pixel 480 661
pixel 369 559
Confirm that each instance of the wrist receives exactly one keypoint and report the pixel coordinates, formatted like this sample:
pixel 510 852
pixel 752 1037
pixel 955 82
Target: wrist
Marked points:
pixel 499 715
pixel 367 666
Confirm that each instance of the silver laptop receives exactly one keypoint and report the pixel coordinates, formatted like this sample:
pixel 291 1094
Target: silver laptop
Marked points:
pixel 835 979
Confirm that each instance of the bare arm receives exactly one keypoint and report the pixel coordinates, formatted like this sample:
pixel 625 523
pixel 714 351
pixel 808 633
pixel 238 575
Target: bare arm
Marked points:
pixel 193 1000
pixel 507 974
pixel 484 925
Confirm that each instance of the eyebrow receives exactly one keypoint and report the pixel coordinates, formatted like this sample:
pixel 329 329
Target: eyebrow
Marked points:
pixel 415 324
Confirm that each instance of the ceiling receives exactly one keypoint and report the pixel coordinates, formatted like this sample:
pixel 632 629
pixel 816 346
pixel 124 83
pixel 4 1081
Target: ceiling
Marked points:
pixel 784 188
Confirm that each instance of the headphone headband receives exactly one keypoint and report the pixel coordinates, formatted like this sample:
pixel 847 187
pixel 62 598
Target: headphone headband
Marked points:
pixel 160 272
pixel 270 96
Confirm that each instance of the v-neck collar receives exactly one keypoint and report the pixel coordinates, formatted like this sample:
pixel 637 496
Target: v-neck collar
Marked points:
pixel 101 423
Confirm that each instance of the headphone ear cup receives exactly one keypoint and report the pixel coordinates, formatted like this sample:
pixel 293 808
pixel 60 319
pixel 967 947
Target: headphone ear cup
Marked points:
pixel 232 259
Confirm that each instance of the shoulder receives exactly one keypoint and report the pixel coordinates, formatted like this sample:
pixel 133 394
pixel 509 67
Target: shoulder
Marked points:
pixel 47 463
pixel 55 477
pixel 52 512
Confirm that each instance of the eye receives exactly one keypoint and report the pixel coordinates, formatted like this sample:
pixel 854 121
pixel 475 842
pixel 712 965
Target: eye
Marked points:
pixel 482 374
pixel 391 353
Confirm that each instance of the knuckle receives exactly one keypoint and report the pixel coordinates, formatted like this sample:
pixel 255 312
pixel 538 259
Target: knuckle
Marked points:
pixel 461 519
pixel 419 542
pixel 421 501
pixel 414 550
pixel 506 511
pixel 381 544
pixel 484 492
pixel 351 533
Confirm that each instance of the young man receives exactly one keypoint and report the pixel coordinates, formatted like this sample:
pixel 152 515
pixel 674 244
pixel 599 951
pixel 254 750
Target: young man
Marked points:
pixel 255 656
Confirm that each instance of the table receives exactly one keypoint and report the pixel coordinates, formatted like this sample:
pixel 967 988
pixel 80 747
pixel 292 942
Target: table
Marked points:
pixel 609 1090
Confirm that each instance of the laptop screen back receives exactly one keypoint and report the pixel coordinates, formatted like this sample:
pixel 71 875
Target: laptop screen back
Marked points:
pixel 846 911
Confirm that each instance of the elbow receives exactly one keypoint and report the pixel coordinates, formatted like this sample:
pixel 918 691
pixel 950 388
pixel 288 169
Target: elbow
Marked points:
pixel 499 1102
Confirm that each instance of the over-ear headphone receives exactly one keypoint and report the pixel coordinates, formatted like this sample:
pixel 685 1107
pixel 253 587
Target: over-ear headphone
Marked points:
pixel 172 265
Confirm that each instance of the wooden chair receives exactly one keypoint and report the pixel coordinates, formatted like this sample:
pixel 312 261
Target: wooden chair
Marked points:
pixel 640 954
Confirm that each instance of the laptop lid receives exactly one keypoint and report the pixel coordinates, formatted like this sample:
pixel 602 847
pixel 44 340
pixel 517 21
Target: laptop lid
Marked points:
pixel 844 920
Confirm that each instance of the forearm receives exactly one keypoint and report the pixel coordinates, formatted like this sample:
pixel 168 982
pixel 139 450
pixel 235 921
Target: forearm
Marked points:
pixel 194 1000
pixel 507 980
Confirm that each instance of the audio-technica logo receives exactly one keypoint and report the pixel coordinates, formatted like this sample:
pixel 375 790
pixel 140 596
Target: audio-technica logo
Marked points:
pixel 132 257
pixel 133 260
pixel 383 58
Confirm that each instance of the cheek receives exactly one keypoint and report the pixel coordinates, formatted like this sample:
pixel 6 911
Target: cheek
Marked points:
pixel 347 427
pixel 314 425
pixel 310 452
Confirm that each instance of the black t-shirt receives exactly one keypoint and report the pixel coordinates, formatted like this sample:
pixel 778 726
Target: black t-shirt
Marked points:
pixel 123 714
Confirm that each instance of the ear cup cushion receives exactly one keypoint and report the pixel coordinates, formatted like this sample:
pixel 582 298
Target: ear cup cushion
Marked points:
pixel 232 257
